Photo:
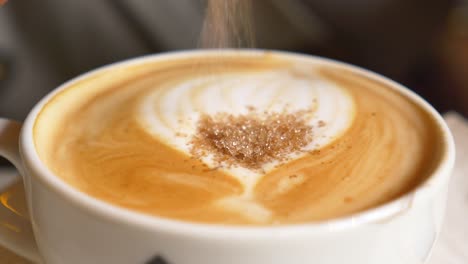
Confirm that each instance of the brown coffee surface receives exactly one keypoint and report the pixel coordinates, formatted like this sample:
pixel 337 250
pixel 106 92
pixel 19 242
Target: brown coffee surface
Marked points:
pixel 89 136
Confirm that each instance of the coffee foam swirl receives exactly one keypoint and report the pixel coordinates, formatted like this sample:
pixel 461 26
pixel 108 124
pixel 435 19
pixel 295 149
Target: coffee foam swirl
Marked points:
pixel 172 114
pixel 122 135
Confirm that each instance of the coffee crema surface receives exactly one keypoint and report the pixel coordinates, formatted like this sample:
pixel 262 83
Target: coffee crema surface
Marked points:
pixel 129 135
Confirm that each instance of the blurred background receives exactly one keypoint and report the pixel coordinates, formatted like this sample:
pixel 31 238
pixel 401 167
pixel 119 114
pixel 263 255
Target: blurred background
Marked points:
pixel 420 43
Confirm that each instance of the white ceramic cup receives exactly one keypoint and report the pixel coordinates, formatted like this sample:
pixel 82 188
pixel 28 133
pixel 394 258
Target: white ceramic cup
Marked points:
pixel 73 228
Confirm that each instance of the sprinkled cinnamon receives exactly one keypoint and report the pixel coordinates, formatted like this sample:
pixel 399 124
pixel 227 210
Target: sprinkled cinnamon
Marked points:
pixel 253 139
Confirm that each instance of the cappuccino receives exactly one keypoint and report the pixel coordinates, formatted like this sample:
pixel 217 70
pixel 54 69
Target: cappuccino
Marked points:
pixel 238 138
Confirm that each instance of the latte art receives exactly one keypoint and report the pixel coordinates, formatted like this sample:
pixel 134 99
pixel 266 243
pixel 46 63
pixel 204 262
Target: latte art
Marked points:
pixel 172 113
pixel 128 135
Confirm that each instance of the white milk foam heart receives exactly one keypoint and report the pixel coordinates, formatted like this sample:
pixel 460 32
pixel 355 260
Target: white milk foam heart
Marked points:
pixel 172 113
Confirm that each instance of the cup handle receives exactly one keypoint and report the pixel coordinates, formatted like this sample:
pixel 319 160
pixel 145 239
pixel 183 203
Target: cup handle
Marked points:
pixel 15 225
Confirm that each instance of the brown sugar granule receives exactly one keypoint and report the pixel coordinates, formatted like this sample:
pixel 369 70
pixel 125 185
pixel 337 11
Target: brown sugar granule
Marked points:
pixel 251 140
pixel 321 123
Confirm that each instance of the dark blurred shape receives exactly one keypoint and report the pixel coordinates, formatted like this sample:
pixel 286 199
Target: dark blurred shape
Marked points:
pixel 388 36
pixel 453 60
pixel 157 260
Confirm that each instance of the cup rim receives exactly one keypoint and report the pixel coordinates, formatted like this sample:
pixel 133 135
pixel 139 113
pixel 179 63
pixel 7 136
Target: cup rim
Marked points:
pixel 110 212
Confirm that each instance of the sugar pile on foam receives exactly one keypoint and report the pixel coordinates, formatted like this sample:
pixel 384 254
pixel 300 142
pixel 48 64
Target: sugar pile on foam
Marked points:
pixel 253 139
